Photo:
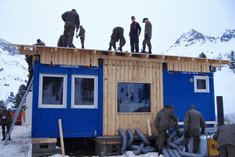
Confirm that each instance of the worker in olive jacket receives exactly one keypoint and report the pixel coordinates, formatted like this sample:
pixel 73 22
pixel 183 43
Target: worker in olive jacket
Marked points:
pixel 194 126
pixel 165 119
pixel 72 22
pixel 225 136
pixel 5 122
pixel 147 36
pixel 117 35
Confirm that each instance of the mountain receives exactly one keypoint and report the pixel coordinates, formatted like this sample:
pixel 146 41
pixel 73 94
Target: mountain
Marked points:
pixel 13 70
pixel 192 43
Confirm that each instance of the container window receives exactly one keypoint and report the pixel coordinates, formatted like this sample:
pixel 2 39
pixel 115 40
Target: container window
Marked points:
pixel 52 91
pixel 201 84
pixel 133 97
pixel 84 91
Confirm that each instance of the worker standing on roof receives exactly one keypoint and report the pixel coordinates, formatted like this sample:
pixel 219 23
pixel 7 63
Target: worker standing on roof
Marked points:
pixel 117 35
pixel 194 126
pixel 81 34
pixel 135 30
pixel 5 122
pixel 225 136
pixel 147 35
pixel 72 22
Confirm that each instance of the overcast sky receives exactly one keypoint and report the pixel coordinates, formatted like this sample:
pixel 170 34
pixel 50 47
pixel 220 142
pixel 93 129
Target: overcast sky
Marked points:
pixel 24 21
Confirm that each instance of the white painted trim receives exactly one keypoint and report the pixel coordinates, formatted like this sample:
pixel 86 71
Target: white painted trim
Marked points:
pixel 40 105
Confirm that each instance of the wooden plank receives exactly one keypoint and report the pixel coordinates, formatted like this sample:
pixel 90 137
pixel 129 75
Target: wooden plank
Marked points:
pixel 44 140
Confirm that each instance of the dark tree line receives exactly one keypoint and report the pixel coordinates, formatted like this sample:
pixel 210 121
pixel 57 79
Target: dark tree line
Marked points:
pixel 231 56
pixel 14 99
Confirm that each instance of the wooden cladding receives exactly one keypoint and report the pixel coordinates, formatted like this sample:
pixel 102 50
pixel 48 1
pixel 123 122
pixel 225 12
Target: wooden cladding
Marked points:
pixel 130 71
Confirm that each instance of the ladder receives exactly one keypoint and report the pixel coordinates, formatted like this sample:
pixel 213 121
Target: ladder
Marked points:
pixel 18 110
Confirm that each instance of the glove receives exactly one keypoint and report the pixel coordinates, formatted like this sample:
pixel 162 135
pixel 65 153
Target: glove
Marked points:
pixel 202 130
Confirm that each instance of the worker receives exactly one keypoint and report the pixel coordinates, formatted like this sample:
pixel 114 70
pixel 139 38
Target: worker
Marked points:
pixel 225 136
pixel 39 42
pixel 117 35
pixel 165 119
pixel 194 126
pixel 147 36
pixel 6 121
pixel 135 30
pixel 81 34
pixel 29 60
pixel 72 22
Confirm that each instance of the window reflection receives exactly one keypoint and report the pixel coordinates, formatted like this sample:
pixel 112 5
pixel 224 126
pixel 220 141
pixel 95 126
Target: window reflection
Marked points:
pixel 84 91
pixel 52 90
pixel 201 84
pixel 133 97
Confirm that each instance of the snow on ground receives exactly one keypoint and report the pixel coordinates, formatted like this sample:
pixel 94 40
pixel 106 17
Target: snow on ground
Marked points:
pixel 20 146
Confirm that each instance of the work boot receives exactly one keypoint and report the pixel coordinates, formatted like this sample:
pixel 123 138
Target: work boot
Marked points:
pixel 143 51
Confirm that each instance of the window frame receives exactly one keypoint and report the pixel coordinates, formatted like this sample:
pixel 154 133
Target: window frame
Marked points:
pixel 133 82
pixel 75 106
pixel 64 104
pixel 206 78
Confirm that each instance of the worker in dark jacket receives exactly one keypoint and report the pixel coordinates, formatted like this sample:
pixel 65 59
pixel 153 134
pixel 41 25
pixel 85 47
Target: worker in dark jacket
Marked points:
pixel 194 126
pixel 81 34
pixel 225 136
pixel 147 36
pixel 72 22
pixel 165 119
pixel 5 122
pixel 117 35
pixel 135 30
pixel 29 60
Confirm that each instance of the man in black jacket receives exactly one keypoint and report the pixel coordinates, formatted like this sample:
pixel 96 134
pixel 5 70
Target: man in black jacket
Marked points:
pixel 5 122
pixel 135 30
pixel 72 22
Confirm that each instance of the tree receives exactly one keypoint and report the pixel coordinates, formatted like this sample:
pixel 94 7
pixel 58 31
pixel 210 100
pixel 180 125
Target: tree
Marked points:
pixel 19 95
pixel 232 61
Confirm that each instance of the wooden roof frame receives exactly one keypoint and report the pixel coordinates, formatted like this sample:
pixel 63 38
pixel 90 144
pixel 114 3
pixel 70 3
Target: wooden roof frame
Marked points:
pixel 37 49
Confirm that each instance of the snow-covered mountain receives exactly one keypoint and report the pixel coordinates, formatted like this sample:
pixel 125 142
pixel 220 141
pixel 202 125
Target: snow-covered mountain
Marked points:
pixel 192 43
pixel 13 70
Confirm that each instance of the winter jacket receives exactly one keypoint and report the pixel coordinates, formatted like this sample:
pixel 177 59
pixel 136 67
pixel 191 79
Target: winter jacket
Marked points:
pixel 135 30
pixel 117 33
pixel 166 119
pixel 5 117
pixel 225 135
pixel 194 122
pixel 148 30
pixel 71 18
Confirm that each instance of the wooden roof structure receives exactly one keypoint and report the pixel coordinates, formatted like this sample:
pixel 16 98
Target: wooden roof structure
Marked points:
pixel 89 57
